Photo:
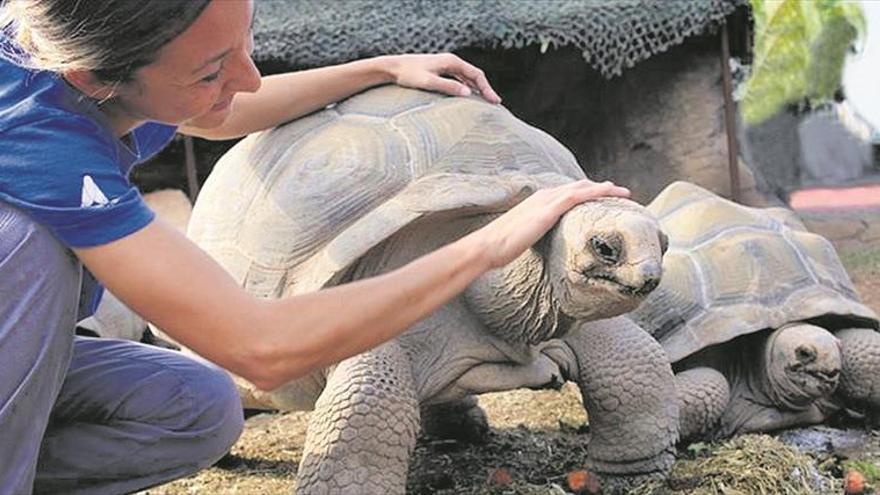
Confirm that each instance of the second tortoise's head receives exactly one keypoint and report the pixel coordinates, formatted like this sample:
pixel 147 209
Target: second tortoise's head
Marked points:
pixel 604 257
pixel 803 364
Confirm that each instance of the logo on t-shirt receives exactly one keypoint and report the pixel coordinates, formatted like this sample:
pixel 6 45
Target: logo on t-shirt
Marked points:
pixel 92 195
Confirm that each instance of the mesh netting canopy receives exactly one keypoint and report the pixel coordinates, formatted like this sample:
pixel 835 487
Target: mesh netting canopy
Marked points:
pixel 611 34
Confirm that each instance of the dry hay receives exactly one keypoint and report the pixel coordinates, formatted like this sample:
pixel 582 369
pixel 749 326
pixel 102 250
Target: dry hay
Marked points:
pixel 745 465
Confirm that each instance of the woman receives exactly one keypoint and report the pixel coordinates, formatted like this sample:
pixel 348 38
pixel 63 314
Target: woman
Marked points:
pixel 87 90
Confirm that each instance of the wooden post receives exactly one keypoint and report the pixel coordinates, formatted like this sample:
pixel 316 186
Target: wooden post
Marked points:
pixel 729 115
pixel 192 178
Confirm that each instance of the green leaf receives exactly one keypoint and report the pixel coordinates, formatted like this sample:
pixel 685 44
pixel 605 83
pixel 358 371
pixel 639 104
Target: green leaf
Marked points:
pixel 800 49
pixel 781 57
pixel 828 55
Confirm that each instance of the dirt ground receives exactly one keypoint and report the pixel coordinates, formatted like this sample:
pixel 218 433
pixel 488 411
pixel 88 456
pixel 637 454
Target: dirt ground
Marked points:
pixel 537 437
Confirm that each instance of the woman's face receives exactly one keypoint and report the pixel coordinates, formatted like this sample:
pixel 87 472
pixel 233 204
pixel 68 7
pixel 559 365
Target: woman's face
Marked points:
pixel 196 75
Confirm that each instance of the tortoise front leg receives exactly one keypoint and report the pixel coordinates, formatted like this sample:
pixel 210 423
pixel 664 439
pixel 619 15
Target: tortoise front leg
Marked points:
pixel 703 395
pixel 364 427
pixel 629 392
pixel 860 369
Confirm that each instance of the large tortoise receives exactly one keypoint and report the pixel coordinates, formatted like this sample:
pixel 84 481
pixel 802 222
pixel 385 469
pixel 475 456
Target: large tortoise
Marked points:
pixel 759 318
pixel 377 180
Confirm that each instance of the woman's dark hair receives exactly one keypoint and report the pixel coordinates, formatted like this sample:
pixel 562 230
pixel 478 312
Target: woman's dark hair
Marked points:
pixel 111 38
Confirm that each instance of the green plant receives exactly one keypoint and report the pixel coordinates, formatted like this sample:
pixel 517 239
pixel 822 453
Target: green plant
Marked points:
pixel 800 48
pixel 864 259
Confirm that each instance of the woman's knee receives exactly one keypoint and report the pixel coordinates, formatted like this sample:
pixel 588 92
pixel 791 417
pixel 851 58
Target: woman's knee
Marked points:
pixel 219 418
pixel 184 410
pixel 202 405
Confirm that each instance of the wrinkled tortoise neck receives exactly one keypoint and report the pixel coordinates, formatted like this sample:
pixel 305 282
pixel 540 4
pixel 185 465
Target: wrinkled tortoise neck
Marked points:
pixel 517 303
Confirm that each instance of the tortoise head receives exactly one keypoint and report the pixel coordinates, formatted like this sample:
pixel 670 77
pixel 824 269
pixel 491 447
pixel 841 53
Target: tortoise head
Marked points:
pixel 803 363
pixel 604 257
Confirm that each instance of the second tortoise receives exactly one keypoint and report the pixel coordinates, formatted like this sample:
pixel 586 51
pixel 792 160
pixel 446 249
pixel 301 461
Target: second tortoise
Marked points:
pixel 763 326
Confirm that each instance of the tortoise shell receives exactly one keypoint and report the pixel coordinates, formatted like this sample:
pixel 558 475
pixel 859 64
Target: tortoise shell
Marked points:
pixel 287 210
pixel 733 270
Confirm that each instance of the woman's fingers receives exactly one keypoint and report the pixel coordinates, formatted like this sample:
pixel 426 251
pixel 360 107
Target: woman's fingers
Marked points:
pixel 528 221
pixel 446 85
pixel 473 77
pixel 445 73
pixel 595 190
pixel 572 194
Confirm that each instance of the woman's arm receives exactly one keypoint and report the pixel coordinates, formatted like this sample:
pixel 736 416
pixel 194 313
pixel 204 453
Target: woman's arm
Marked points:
pixel 284 97
pixel 171 282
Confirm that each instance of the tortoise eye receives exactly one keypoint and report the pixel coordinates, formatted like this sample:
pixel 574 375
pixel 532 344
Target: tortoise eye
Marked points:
pixel 805 354
pixel 606 249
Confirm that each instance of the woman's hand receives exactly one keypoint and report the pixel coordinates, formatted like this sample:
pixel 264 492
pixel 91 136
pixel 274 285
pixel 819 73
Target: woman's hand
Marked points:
pixel 444 72
pixel 509 235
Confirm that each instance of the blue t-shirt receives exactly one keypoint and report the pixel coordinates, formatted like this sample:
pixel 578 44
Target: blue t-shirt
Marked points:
pixel 61 163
